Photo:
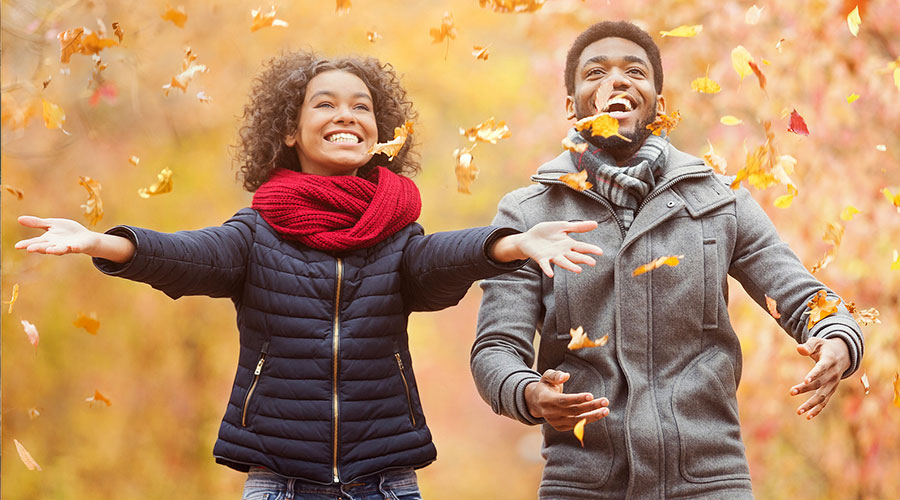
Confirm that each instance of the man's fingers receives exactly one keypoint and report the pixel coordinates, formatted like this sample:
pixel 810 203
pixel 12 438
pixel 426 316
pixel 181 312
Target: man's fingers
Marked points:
pixel 811 348
pixel 592 416
pixel 806 387
pixel 592 405
pixel 554 377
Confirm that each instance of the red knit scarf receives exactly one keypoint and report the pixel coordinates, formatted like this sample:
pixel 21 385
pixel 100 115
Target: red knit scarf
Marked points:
pixel 341 212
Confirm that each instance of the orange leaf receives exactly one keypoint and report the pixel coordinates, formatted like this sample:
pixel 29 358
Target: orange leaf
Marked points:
pixel 33 413
pixel 26 457
pixel 891 197
pixel 92 43
pixel 97 398
pixel 69 44
pixel 446 31
pixel 773 307
pixel 14 191
pixel 342 7
pixel 667 260
pixel 13 299
pixel 577 181
pixel 372 36
pixel 391 148
pixel 176 15
pixel 579 430
pixel 683 31
pixel 134 160
pixel 714 161
pixel 120 34
pixel 571 146
pixel 759 75
pixel 466 171
pixel 580 340
pixel 162 185
pixel 93 207
pixel 89 323
pixel 864 380
pixel 820 308
pixel 54 116
pixel 664 122
pixel 897 390
pixel 601 124
pixel 487 131
pixel 14 116
pixel 188 71
pixel 512 6
pixel 261 20
pixel 31 332
pixel 204 97
pixel 480 52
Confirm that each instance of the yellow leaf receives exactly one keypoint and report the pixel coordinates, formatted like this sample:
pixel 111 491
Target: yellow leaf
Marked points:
pixel 784 201
pixel 134 160
pixel 849 212
pixel 897 390
pixel 705 85
pixel 752 15
pixel 864 380
pixel 93 207
pixel 730 120
pixel 577 181
pixel 33 413
pixel 580 340
pixel 579 430
pixel 97 398
pixel 466 171
pixel 773 307
pixel 683 31
pixel 601 124
pixel 487 131
pixel 662 122
pixel 667 260
pixel 54 116
pixel 90 323
pixel 853 21
pixel 13 299
pixel 897 78
pixel 26 457
pixel 820 308
pixel 568 145
pixel 740 60
pixel 176 15
pixel 31 331
pixel 852 98
pixel 372 36
pixel 391 148
pixel 446 31
pixel 714 161
pixel 261 20
pixel 891 197
pixel 895 266
pixel 512 6
pixel 342 7
pixel 480 52
pixel 161 186
pixel 14 191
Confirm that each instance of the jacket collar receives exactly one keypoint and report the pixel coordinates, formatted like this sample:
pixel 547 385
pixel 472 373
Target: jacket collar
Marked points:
pixel 679 164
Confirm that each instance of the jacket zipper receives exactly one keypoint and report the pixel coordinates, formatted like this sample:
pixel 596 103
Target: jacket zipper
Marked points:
pixel 334 368
pixel 412 416
pixel 667 185
pixel 259 366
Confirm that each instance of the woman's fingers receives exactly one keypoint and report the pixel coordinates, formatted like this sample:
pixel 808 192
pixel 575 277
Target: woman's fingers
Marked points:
pixel 582 247
pixel 32 221
pixel 582 226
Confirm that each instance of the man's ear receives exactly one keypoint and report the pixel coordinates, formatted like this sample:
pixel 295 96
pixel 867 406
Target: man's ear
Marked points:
pixel 660 104
pixel 570 107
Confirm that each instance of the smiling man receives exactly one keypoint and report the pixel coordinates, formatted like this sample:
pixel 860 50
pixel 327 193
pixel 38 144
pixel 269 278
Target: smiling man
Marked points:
pixel 659 399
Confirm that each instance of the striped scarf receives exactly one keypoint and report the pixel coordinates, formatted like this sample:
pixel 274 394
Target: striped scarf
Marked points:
pixel 624 187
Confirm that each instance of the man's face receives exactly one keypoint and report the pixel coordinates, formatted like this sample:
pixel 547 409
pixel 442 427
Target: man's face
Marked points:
pixel 633 101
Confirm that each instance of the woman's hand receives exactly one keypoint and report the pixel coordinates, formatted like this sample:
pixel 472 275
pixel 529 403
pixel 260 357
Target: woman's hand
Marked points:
pixel 64 236
pixel 546 243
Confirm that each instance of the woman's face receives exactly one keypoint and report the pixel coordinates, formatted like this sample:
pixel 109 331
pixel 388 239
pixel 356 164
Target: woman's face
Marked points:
pixel 336 125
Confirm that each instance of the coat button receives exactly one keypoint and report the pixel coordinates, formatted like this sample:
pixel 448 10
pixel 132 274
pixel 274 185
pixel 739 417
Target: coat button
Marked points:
pixel 670 204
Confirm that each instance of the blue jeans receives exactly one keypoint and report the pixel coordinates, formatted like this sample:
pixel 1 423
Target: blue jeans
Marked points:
pixel 392 485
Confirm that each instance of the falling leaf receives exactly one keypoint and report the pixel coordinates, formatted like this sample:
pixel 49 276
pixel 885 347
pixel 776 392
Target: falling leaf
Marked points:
pixel 897 390
pixel 480 52
pixel 863 316
pixel 54 116
pixel 176 15
pixel 705 85
pixel 577 181
pixel 188 71
pixel 26 457
pixel 512 6
pixel 848 213
pixel 31 332
pixel 204 97
pixel 580 340
pixel 92 43
pixel 752 15
pixel 120 34
pixel 13 299
pixel 447 31
pixel 69 44
pixel 664 122
pixel 773 307
pixel 579 430
pixel 93 207
pixel 261 20
pixel 730 120
pixel 864 380
pixel 601 124
pixel 892 198
pixel 571 146
pixel 134 160
pixel 759 75
pixel 90 323
pixel 97 398
pixel 667 260
pixel 161 186
pixel 487 131
pixel 895 266
pixel 46 82
pixel 834 232
pixel 33 413
pixel 823 262
pixel 342 7
pixel 764 167
pixel 14 191
pixel 15 116
pixel 372 36
pixel 797 124
pixel 881 147
pixel 852 97
pixel 779 45
pixel 391 148
pixel 740 60
pixel 820 308
pixel 784 201
pixel 683 31
pixel 853 21
pixel 714 161
pixel 466 171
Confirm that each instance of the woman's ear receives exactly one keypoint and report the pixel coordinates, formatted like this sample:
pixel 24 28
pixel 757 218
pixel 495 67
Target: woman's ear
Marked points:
pixel 290 141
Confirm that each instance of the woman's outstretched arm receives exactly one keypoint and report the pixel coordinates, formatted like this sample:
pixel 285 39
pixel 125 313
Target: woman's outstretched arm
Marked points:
pixel 64 236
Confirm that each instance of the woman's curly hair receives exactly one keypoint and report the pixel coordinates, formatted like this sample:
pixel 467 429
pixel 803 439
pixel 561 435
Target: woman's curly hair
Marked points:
pixel 275 100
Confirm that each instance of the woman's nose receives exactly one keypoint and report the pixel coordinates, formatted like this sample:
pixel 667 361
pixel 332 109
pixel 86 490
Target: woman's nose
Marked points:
pixel 344 115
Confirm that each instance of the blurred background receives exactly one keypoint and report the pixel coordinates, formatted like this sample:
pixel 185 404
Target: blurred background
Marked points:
pixel 167 367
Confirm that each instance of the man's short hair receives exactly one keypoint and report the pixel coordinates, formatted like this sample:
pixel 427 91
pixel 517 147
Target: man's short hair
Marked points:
pixel 613 29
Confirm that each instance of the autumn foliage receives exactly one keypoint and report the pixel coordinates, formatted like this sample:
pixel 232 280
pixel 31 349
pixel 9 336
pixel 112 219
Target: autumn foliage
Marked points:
pixel 118 112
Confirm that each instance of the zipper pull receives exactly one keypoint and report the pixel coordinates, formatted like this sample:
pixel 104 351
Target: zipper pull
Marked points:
pixel 399 361
pixel 262 359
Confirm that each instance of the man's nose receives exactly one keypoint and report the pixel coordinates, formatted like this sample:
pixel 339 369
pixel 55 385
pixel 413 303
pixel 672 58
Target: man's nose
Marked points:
pixel 618 78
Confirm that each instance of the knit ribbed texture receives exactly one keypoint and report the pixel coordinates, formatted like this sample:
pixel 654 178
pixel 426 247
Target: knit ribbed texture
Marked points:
pixel 337 213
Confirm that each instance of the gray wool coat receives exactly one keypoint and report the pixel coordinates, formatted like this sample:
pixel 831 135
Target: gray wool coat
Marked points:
pixel 673 362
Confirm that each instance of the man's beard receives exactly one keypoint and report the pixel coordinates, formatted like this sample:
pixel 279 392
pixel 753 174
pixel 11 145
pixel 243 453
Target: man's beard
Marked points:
pixel 615 144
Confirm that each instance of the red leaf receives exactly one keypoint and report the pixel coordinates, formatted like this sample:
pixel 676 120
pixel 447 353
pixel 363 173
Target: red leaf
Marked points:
pixel 797 124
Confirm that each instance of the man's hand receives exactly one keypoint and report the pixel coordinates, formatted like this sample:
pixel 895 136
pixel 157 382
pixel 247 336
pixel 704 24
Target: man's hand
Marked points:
pixel 545 399
pixel 832 360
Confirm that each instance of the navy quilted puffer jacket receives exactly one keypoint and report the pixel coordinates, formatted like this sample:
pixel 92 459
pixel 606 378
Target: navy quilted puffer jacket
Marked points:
pixel 324 389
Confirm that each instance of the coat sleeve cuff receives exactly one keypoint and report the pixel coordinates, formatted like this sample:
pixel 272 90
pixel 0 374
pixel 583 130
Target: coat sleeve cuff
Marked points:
pixel 850 337
pixel 114 268
pixel 495 235
pixel 512 396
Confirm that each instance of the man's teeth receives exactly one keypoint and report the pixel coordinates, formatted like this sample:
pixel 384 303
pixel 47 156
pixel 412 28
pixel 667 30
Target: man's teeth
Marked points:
pixel 619 100
pixel 342 137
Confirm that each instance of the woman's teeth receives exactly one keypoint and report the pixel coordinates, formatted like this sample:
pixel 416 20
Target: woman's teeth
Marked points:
pixel 343 138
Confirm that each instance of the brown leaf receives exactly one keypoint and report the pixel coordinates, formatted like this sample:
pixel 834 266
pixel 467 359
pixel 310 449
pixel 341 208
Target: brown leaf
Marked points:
pixel 161 186
pixel 90 323
pixel 14 191
pixel 773 307
pixel 26 457
pixel 393 147
pixel 667 260
pixel 466 171
pixel 93 207
pixel 578 181
pixel 13 299
pixel 119 32
pixel 820 308
pixel 97 398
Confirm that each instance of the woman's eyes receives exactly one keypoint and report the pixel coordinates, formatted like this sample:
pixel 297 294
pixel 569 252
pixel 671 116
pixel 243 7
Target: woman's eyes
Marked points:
pixel 326 104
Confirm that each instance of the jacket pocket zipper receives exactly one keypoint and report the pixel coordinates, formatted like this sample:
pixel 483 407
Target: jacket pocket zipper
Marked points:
pixel 412 416
pixel 259 366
